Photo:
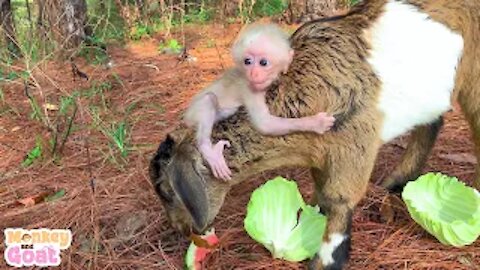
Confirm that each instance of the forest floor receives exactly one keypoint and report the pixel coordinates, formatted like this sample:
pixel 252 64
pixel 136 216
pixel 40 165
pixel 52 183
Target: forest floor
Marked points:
pixel 115 217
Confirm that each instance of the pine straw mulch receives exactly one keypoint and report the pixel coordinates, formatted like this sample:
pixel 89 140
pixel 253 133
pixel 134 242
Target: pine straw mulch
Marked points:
pixel 112 210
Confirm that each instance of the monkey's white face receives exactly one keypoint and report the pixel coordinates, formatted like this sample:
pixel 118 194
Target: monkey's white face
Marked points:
pixel 263 62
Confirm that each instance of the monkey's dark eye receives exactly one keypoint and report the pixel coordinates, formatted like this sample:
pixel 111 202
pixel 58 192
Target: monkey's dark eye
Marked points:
pixel 248 61
pixel 263 62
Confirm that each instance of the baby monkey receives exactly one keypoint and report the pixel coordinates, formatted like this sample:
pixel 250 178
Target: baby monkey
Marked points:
pixel 261 52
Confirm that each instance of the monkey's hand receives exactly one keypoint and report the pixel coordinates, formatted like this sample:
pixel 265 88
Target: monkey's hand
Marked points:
pixel 216 160
pixel 321 122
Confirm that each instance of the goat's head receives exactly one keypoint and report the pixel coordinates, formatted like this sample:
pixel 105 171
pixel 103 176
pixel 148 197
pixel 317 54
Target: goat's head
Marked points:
pixel 190 195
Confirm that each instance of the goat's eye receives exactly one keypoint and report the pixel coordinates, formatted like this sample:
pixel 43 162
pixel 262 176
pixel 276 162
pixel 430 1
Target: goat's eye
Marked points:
pixel 248 61
pixel 263 62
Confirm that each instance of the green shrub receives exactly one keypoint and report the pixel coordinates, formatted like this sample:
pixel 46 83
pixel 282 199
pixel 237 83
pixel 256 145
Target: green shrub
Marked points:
pixel 269 7
pixel 172 46
pixel 140 30
pixel 199 15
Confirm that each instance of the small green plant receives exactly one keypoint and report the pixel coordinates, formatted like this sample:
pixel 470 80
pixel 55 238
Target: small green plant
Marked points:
pixel 140 30
pixel 171 46
pixel 12 75
pixel 55 196
pixel 117 134
pixel 33 155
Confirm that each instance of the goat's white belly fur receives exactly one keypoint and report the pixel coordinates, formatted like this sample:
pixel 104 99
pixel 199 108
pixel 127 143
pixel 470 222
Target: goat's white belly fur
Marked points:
pixel 415 59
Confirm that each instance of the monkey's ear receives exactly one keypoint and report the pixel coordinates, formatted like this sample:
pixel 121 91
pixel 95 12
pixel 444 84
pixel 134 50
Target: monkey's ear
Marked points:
pixel 192 192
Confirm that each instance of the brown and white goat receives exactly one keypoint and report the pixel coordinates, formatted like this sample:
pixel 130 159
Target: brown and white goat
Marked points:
pixel 385 68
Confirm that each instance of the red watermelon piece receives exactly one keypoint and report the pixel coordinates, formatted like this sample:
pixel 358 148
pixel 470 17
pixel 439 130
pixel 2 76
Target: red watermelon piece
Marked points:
pixel 199 248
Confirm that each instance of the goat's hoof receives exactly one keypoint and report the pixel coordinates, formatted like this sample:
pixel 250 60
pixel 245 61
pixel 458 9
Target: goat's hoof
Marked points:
pixel 393 184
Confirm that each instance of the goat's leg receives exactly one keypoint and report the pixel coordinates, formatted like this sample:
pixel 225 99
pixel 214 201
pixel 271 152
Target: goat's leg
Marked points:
pixel 469 101
pixel 335 249
pixel 413 160
pixel 338 189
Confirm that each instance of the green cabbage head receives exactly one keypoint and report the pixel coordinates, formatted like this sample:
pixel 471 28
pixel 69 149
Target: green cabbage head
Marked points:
pixel 444 207
pixel 278 218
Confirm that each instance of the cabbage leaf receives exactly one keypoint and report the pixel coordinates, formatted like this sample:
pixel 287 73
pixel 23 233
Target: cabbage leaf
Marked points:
pixel 278 218
pixel 445 207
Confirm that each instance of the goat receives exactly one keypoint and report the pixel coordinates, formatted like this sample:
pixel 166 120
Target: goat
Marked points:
pixel 383 69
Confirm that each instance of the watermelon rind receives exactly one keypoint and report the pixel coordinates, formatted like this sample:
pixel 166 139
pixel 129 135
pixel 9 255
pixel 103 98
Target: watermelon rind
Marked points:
pixel 190 255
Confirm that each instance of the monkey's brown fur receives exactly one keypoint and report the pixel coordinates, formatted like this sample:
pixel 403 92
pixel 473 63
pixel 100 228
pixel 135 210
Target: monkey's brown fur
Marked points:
pixel 329 73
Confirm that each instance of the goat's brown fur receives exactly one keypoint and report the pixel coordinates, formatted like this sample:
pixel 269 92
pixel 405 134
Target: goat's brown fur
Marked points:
pixel 330 73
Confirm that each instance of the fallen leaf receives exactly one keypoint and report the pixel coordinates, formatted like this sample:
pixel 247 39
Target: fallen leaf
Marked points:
pixel 33 200
pixel 460 157
pixel 27 201
pixel 16 128
pixel 50 107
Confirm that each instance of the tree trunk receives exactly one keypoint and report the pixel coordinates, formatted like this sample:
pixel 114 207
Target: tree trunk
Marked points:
pixel 229 8
pixel 65 19
pixel 75 20
pixel 306 10
pixel 41 14
pixel 8 27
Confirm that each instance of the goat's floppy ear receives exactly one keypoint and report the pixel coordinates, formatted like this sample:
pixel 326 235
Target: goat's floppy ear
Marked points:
pixel 163 155
pixel 165 149
pixel 192 192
